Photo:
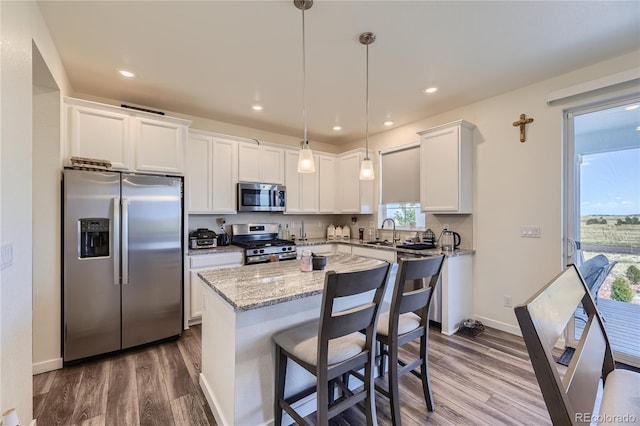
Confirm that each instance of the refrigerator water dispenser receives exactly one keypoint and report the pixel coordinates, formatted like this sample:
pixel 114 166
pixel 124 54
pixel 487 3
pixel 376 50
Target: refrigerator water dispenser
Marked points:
pixel 94 238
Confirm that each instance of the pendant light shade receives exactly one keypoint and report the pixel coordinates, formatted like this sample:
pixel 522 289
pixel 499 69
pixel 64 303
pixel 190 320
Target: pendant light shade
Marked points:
pixel 305 159
pixel 306 164
pixel 366 168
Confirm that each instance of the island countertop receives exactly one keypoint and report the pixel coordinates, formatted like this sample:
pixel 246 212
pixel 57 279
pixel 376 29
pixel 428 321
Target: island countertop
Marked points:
pixel 254 286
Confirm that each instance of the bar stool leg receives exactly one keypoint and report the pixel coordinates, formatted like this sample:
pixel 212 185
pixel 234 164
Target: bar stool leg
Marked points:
pixel 281 371
pixel 424 373
pixel 394 395
pixel 370 400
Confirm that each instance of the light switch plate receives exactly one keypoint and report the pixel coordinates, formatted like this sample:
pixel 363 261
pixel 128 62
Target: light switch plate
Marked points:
pixel 530 232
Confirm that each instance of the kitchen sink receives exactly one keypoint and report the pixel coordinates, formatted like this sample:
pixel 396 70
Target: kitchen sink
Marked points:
pixel 417 246
pixel 380 243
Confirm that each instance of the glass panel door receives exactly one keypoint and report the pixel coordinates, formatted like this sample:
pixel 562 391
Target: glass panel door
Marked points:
pixel 603 218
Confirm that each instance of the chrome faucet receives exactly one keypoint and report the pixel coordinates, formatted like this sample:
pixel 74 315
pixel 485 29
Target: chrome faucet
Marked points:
pixel 393 222
pixel 303 235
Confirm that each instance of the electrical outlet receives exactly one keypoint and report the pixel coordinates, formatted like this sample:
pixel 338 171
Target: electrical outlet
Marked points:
pixel 507 301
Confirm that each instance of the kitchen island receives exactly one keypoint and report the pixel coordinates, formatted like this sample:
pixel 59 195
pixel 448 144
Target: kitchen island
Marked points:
pixel 243 307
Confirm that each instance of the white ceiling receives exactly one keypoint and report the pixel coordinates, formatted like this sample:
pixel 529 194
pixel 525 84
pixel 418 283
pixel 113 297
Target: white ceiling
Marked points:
pixel 214 59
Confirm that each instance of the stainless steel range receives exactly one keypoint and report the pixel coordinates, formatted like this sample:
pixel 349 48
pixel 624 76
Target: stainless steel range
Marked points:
pixel 261 244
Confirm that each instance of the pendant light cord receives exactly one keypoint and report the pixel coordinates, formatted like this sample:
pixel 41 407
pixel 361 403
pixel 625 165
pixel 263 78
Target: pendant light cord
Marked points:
pixel 367 108
pixel 304 83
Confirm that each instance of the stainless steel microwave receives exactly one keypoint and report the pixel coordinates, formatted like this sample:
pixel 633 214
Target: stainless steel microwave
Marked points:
pixel 260 197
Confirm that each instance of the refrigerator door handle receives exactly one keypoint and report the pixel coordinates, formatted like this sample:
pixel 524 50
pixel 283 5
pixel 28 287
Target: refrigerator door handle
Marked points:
pixel 125 241
pixel 115 249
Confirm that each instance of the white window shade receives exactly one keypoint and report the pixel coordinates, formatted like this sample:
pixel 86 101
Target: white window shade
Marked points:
pixel 400 175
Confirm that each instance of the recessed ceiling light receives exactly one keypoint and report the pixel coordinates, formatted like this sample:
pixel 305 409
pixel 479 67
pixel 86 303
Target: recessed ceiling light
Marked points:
pixel 257 107
pixel 638 128
pixel 632 107
pixel 388 123
pixel 431 90
pixel 126 73
pixel 337 127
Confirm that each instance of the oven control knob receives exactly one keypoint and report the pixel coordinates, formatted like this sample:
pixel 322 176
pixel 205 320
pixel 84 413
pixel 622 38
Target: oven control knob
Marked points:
pixel 261 251
pixel 255 252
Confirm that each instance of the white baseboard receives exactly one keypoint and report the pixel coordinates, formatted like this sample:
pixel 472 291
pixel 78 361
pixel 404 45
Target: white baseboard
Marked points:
pixel 502 326
pixel 46 366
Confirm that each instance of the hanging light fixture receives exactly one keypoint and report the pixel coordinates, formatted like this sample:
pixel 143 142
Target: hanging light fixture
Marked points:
pixel 366 168
pixel 305 156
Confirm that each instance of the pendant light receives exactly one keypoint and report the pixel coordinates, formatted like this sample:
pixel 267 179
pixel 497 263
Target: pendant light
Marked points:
pixel 305 156
pixel 366 168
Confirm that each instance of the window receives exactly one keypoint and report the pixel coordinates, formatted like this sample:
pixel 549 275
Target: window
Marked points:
pixel 400 187
pixel 406 215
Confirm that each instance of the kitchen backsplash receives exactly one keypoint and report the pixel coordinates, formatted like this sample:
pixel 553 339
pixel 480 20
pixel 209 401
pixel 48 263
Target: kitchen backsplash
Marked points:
pixel 316 225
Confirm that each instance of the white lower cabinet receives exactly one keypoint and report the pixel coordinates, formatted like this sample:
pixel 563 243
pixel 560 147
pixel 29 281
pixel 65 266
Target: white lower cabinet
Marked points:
pixel 193 291
pixel 322 249
pixel 388 255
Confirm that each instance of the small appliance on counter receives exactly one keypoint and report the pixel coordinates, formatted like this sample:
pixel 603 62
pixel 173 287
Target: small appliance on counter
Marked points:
pixel 223 239
pixel 449 241
pixel 203 238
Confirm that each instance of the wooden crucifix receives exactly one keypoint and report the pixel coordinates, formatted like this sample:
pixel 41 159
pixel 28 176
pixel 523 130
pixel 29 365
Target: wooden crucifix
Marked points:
pixel 522 122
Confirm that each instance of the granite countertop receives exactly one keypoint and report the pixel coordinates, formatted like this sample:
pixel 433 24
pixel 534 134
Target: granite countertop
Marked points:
pixel 428 252
pixel 254 286
pixel 214 250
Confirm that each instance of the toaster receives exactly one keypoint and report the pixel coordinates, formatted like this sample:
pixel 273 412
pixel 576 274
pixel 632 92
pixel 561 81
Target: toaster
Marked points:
pixel 202 238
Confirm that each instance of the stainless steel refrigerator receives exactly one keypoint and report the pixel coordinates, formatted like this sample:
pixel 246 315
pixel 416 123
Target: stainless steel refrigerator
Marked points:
pixel 122 272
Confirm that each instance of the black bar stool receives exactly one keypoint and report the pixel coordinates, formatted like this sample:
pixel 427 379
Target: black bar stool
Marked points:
pixel 329 348
pixel 408 319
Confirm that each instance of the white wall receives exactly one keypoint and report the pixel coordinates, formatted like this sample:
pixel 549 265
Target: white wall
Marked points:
pixel 514 184
pixel 46 230
pixel 21 23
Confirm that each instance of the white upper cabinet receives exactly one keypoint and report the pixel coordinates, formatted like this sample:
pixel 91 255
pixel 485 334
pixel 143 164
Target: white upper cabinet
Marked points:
pixel 260 163
pixel 326 168
pixel 159 145
pixel 354 195
pixel 99 134
pixel 131 140
pixel 301 188
pixel 212 173
pixel 446 161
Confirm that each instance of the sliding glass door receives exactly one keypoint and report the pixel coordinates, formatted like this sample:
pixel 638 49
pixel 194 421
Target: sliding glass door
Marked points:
pixel 602 219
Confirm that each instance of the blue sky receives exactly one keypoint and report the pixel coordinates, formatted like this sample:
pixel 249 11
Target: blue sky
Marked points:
pixel 610 183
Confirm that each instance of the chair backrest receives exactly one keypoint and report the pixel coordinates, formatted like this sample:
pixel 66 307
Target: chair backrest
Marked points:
pixel 542 320
pixel 364 315
pixel 416 297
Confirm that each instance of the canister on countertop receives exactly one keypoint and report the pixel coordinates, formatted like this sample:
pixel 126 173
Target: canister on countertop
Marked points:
pixel 306 264
pixel 361 234
pixel 338 232
pixel 346 232
pixel 331 232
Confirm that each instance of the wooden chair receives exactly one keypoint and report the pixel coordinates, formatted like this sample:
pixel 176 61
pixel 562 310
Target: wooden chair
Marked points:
pixel 572 400
pixel 332 346
pixel 408 319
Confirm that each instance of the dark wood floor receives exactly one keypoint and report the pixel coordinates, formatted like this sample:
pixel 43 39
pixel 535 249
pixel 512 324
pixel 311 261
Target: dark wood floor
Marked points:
pixel 486 380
